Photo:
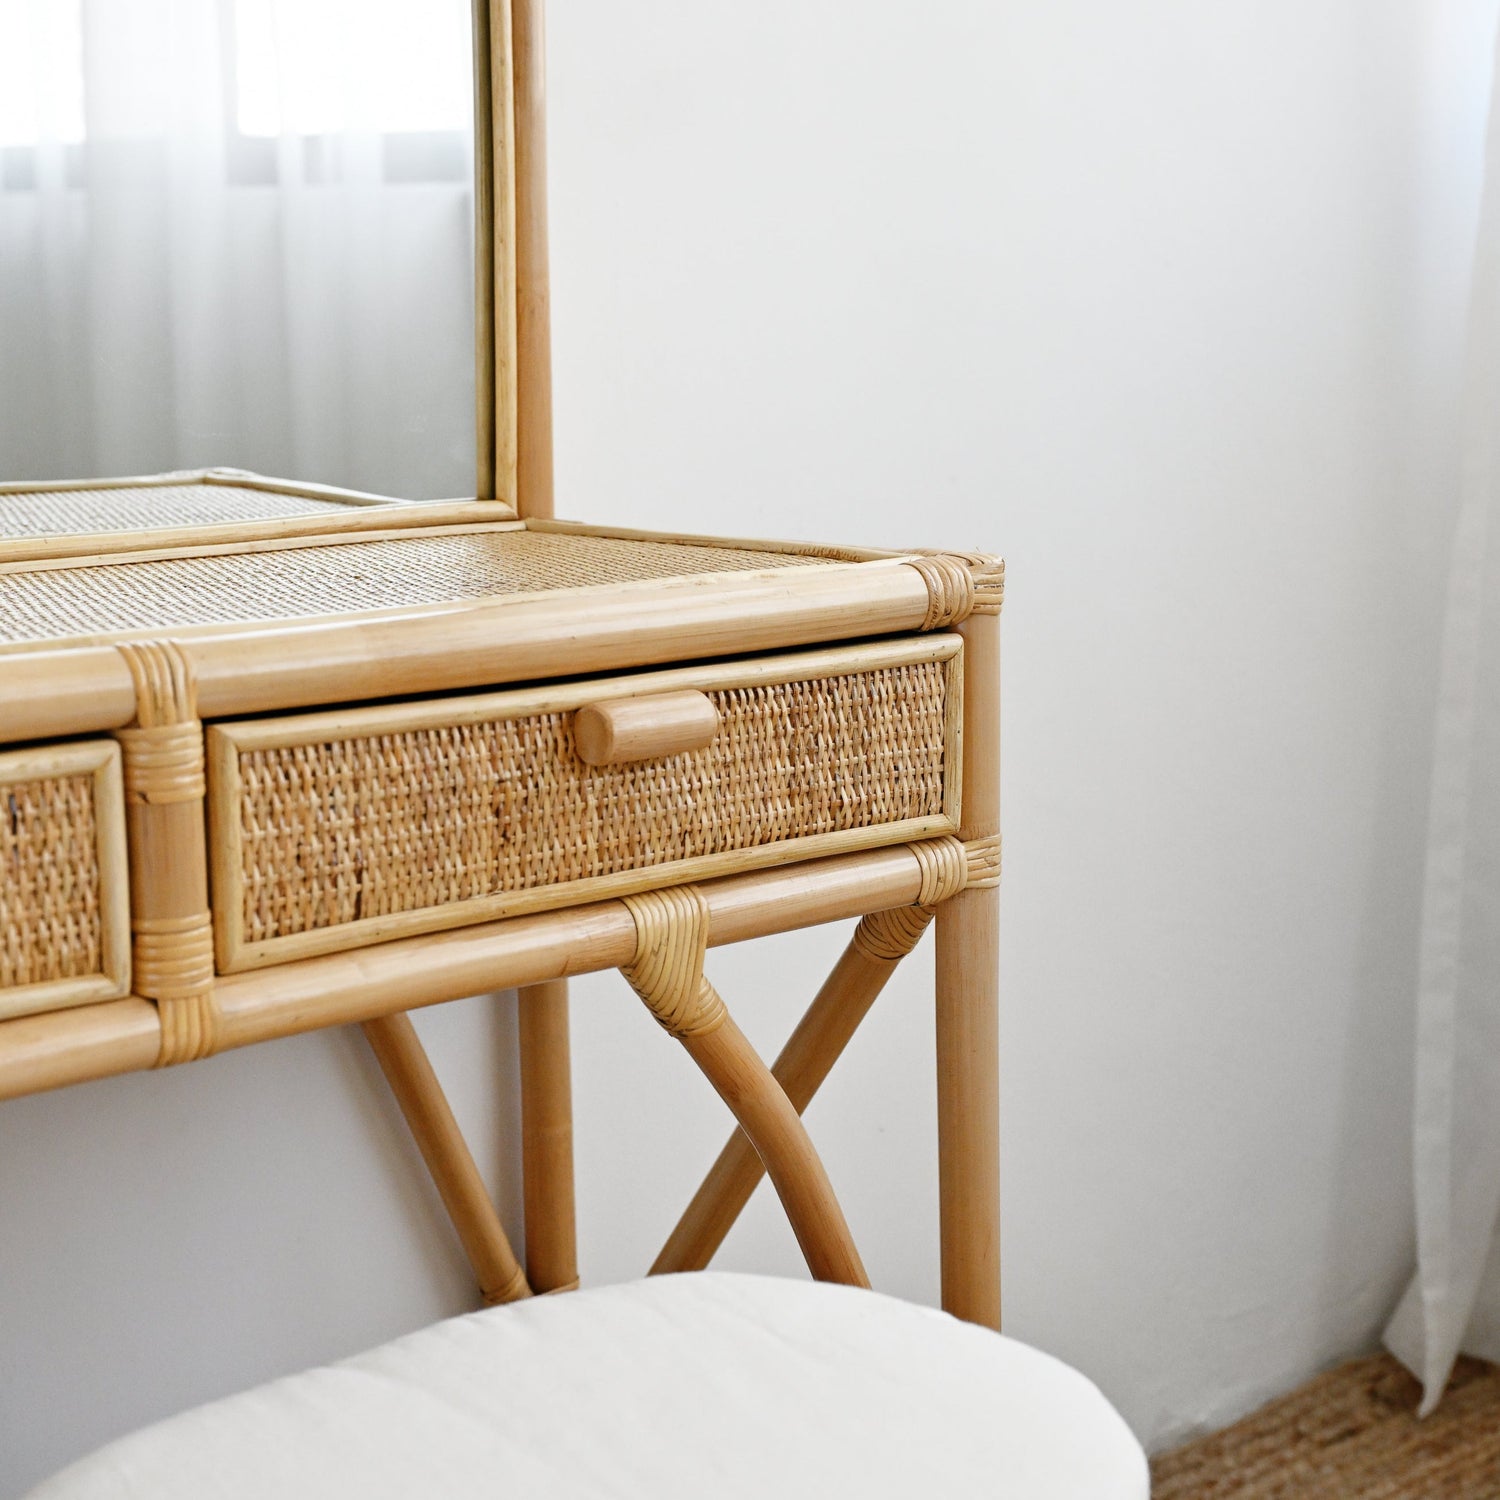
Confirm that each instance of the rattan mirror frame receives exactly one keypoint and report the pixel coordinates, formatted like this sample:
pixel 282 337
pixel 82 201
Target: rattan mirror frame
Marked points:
pixel 513 361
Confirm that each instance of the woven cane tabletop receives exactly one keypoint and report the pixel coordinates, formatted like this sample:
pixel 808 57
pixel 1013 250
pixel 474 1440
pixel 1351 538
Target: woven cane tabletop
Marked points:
pixel 426 568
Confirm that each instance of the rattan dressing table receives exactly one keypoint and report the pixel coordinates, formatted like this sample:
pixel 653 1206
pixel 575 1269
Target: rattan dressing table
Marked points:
pixel 277 757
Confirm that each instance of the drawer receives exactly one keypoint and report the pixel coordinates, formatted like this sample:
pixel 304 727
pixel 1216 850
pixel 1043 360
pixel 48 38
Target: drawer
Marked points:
pixel 338 829
pixel 64 888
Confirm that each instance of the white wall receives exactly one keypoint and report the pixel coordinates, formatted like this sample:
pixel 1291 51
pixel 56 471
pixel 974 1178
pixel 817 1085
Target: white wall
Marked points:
pixel 1162 301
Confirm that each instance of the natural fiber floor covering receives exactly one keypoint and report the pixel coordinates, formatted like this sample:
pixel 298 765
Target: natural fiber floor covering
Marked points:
pixel 1352 1432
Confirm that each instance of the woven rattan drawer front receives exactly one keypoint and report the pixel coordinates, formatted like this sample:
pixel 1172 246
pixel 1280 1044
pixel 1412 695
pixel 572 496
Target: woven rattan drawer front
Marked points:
pixel 64 892
pixel 340 829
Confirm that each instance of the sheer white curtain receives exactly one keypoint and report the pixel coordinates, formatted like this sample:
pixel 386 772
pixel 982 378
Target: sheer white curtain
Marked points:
pixel 1453 1304
pixel 237 232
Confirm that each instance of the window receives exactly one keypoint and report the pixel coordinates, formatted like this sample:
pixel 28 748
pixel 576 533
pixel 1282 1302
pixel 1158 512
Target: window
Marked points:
pixel 398 70
pixel 317 67
pixel 41 73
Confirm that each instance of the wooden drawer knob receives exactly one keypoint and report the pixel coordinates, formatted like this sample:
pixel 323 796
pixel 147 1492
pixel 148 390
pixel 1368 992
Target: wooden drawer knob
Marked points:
pixel 643 728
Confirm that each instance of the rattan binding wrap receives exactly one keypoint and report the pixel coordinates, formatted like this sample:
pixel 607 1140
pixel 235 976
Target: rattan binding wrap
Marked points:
pixel 338 832
pixel 671 933
pixel 983 856
pixel 344 577
pixel 891 935
pixel 165 788
pixel 960 584
pixel 950 589
pixel 988 573
pixel 174 965
pixel 51 925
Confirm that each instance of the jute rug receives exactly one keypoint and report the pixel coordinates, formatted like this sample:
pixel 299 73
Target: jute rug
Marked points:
pixel 1350 1433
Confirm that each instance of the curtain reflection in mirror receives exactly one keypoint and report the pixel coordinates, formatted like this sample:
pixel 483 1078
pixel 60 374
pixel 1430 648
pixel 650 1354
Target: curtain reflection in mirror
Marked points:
pixel 237 232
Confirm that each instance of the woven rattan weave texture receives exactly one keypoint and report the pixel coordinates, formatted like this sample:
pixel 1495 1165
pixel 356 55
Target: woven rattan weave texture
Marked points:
pixel 285 583
pixel 141 507
pixel 50 921
pixel 369 827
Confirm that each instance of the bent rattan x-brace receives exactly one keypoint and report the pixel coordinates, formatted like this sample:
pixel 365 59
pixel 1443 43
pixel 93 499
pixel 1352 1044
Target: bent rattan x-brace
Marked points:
pixel 880 941
pixel 667 973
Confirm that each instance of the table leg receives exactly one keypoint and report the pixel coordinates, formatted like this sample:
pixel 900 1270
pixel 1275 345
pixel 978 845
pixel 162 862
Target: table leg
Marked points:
pixel 968 1037
pixel 547 1137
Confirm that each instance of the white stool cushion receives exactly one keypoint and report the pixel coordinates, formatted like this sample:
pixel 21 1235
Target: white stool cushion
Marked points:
pixel 706 1385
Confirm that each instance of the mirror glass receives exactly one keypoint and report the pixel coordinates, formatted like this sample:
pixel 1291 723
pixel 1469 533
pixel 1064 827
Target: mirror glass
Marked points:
pixel 238 233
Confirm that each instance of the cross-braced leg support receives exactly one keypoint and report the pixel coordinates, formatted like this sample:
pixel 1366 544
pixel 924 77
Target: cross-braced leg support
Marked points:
pixel 880 941
pixel 409 1073
pixel 667 973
